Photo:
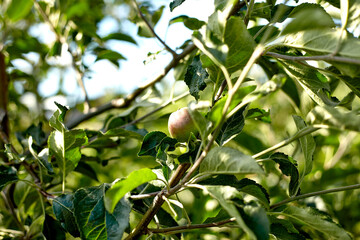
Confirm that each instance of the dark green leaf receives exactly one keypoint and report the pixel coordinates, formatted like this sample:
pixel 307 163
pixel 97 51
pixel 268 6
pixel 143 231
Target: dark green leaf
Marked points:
pixel 167 144
pixel 151 142
pixel 232 127
pixel 288 167
pixel 87 170
pixel 189 22
pixel 121 187
pixel 63 208
pixel 225 160
pixel 7 175
pixel 120 37
pixel 175 4
pixel 256 219
pixel 252 143
pixel 18 9
pixel 92 218
pixel 195 77
pixel 52 229
pixel 281 233
pixel 245 185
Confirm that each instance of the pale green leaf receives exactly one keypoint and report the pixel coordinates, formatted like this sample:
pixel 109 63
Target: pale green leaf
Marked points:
pixel 18 9
pixel 335 117
pixel 225 160
pixel 120 188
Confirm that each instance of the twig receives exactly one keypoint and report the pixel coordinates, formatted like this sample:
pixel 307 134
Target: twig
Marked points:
pixel 152 29
pixel 172 230
pixel 306 195
pixel 80 81
pixel 4 120
pixel 248 12
pixel 125 102
pixel 327 57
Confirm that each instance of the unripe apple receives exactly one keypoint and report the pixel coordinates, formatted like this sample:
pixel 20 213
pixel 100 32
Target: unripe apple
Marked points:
pixel 181 124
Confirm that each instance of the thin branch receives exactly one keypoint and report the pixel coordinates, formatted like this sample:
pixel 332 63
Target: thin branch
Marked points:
pixel 4 82
pixel 80 81
pixel 144 195
pixel 248 12
pixel 152 30
pixel 327 57
pixel 172 230
pixel 11 208
pixel 306 195
pixel 125 102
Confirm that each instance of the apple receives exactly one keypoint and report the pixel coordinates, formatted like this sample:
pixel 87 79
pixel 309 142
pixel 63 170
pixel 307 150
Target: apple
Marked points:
pixel 180 125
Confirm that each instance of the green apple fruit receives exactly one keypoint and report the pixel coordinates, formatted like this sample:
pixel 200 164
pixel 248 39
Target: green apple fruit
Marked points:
pixel 180 125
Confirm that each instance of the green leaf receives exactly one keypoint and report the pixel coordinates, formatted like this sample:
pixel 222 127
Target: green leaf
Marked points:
pixel 126 133
pixel 52 229
pixel 7 175
pixel 308 16
pixel 175 4
pixel 151 142
pixel 252 143
pixel 42 158
pixel 245 185
pixel 217 110
pixel 310 79
pixel 195 77
pixel 121 187
pixel 259 114
pixel 315 220
pixel 120 37
pixel 86 170
pixel 110 55
pixel 225 160
pixel 200 122
pixel 92 218
pixel 65 146
pixel 189 22
pixel 282 233
pixel 353 20
pixel 152 16
pixel 232 127
pixel 18 9
pixel 63 208
pixel 322 42
pixel 288 167
pixel 308 148
pixel 224 195
pixel 256 219
pixel 335 117
pixel 57 119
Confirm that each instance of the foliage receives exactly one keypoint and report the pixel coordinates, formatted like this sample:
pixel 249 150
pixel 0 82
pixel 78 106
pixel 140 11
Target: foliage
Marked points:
pixel 273 90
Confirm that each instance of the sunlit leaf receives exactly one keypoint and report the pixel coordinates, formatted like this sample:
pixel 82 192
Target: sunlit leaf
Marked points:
pixel 121 187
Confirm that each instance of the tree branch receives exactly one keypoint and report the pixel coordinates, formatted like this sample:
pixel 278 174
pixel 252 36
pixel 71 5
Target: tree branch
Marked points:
pixel 306 195
pixel 328 57
pixel 172 230
pixel 125 102
pixel 153 31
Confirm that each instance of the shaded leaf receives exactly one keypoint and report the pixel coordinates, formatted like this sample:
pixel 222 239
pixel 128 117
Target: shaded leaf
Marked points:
pixel 288 167
pixel 92 218
pixel 189 22
pixel 225 160
pixel 52 229
pixel 256 219
pixel 175 4
pixel 121 187
pixel 87 170
pixel 7 175
pixel 63 208
pixel 195 77
pixel 151 142
pixel 259 114
pixel 232 127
